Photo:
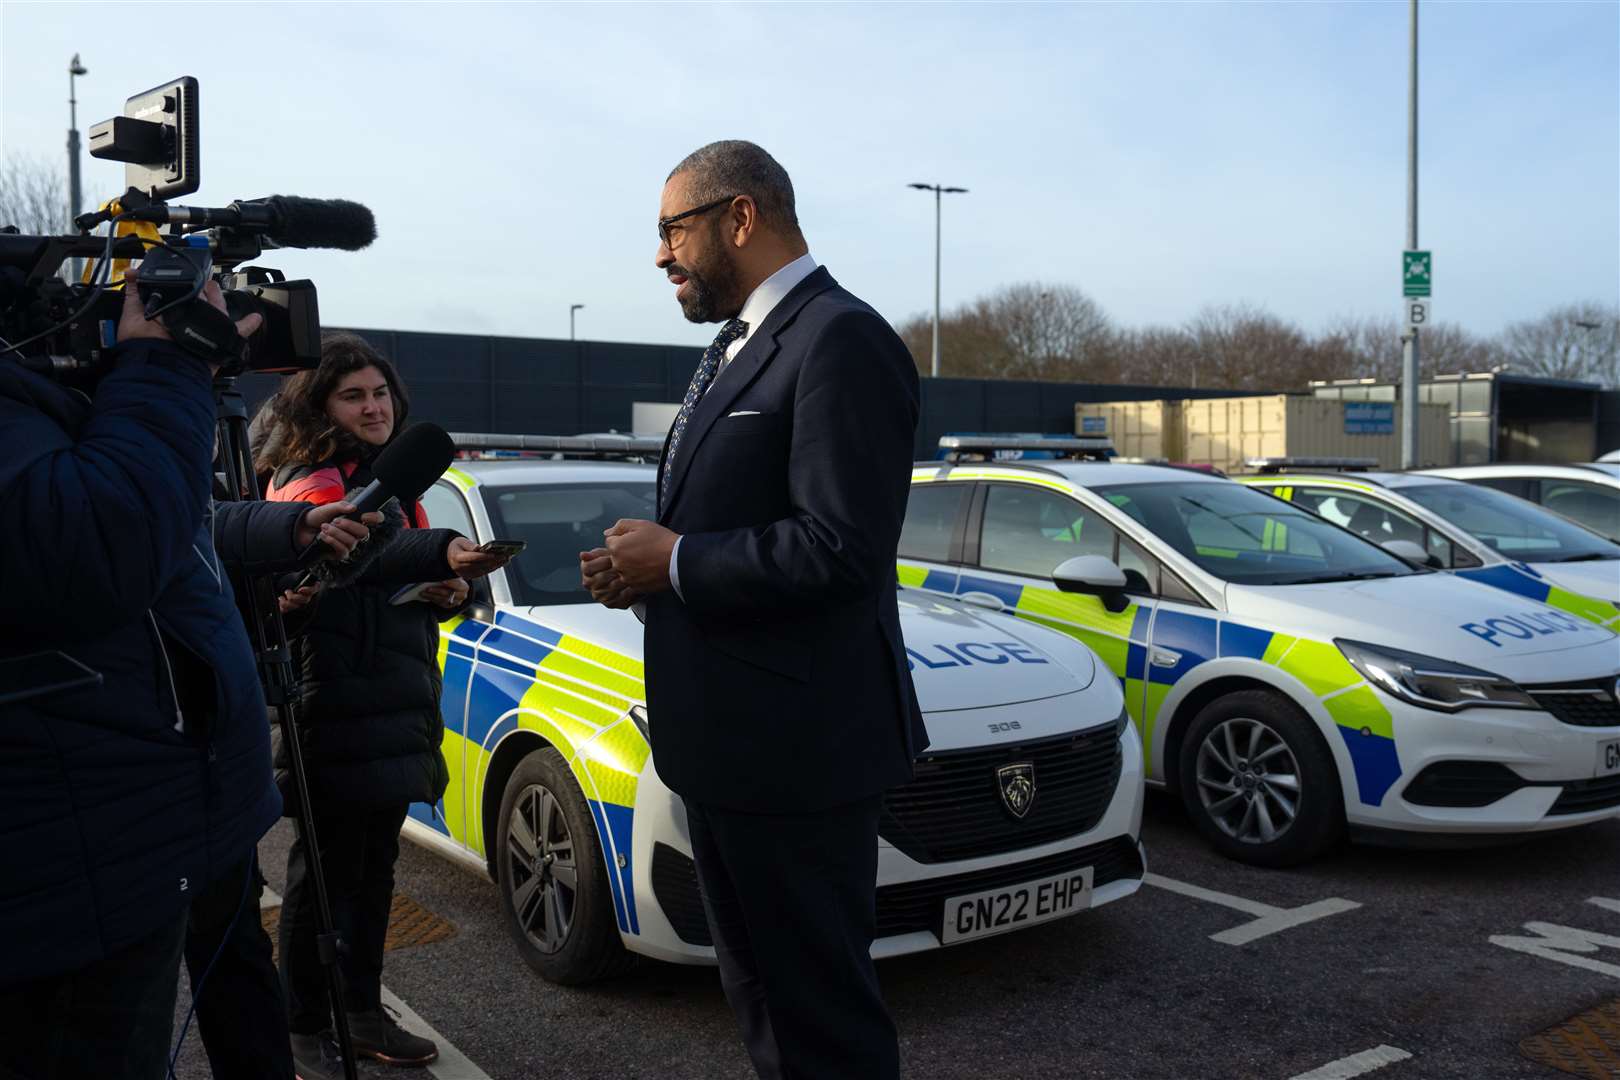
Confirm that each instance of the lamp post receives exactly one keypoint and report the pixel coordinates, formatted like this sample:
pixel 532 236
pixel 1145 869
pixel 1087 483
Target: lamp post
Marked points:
pixel 1410 362
pixel 571 309
pixel 938 191
pixel 75 69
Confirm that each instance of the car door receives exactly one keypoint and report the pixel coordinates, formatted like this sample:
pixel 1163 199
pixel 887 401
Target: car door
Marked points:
pixel 931 536
pixel 1377 520
pixel 1593 505
pixel 1019 533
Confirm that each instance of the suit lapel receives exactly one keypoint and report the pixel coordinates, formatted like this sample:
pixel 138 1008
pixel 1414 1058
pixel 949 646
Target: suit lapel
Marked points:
pixel 738 376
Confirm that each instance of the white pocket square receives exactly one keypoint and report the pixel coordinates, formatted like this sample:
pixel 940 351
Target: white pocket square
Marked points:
pixel 743 412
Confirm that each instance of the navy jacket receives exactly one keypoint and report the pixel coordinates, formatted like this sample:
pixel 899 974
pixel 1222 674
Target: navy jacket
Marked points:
pixel 118 803
pixel 780 683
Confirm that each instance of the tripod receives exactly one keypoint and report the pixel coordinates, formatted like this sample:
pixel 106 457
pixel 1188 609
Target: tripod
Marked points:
pixel 280 683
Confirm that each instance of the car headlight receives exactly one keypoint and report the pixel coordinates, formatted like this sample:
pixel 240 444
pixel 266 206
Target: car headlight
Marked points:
pixel 1431 682
pixel 638 716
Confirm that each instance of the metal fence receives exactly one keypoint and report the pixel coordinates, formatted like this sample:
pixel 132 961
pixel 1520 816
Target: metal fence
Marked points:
pixel 554 387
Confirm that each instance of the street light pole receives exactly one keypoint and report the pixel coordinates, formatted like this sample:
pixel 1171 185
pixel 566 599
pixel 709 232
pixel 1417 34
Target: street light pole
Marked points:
pixel 939 192
pixel 571 309
pixel 1410 359
pixel 74 69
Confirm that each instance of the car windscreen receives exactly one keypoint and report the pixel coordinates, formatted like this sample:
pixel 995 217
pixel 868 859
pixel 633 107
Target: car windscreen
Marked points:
pixel 558 521
pixel 1518 529
pixel 1247 537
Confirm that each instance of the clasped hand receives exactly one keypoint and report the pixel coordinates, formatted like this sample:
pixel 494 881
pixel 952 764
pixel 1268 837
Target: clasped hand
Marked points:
pixel 633 563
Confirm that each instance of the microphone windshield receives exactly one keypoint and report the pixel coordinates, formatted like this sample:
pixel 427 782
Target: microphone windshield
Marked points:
pixel 410 464
pixel 321 223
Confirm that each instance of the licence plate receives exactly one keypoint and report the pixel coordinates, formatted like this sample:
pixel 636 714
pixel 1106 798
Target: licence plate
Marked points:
pixel 1608 758
pixel 996 911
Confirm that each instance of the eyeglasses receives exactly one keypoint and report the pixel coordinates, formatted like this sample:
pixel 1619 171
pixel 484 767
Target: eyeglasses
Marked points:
pixel 665 223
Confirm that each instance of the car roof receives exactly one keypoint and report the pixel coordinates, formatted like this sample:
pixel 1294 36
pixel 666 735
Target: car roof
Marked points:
pixel 530 471
pixel 1084 473
pixel 1572 471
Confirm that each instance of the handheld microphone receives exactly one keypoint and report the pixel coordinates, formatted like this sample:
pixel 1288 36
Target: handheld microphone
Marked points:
pixel 407 467
pixel 283 220
pixel 404 470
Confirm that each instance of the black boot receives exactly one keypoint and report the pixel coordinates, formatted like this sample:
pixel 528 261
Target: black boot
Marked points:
pixel 315 1057
pixel 377 1034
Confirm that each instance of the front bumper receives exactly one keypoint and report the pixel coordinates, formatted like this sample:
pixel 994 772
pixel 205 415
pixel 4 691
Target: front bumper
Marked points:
pixel 1486 771
pixel 911 895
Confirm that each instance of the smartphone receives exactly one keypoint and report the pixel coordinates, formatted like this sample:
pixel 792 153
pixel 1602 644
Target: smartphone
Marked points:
pixel 41 674
pixel 504 547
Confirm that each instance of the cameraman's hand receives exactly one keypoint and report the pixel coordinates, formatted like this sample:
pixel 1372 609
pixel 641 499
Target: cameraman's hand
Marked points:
pixel 467 562
pixel 338 532
pixel 133 325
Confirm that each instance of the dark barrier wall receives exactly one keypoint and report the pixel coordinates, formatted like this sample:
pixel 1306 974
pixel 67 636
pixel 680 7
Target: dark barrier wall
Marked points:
pixel 1608 425
pixel 547 386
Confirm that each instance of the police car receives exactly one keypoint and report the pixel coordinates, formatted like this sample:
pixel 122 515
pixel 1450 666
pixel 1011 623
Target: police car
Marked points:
pixel 1588 493
pixel 1025 808
pixel 1288 677
pixel 1476 532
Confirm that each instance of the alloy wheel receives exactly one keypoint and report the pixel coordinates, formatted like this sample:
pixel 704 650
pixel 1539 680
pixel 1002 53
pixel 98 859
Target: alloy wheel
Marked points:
pixel 1248 780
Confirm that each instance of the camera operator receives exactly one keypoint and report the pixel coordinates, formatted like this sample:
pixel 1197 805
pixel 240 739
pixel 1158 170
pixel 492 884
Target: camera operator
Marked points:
pixel 124 800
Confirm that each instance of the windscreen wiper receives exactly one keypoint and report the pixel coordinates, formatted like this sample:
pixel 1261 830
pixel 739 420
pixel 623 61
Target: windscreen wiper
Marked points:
pixel 1590 556
pixel 1360 575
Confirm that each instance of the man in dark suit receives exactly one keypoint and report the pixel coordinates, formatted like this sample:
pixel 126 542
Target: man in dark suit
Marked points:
pixel 780 699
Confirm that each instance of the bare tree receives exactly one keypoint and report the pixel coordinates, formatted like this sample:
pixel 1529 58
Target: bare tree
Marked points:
pixel 33 196
pixel 1575 341
pixel 1372 347
pixel 1244 348
pixel 1023 331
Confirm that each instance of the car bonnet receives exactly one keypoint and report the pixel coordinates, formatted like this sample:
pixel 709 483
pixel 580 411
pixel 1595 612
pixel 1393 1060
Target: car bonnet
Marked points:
pixel 1437 615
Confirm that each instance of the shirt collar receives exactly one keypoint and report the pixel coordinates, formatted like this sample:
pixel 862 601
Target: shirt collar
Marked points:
pixel 770 292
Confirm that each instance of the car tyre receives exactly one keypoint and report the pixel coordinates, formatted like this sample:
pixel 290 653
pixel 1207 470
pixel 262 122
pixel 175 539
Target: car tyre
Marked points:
pixel 553 877
pixel 1259 781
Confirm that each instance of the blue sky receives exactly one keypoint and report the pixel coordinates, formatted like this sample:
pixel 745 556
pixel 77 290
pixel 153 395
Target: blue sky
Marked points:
pixel 1159 156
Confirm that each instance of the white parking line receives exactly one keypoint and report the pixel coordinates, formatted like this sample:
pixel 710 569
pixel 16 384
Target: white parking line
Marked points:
pixel 1268 919
pixel 451 1063
pixel 1605 903
pixel 1356 1064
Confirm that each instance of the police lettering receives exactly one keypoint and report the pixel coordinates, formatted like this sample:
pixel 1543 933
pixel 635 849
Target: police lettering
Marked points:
pixel 1524 626
pixel 969 653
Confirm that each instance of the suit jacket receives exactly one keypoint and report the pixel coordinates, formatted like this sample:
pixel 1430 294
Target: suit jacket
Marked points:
pixel 780 682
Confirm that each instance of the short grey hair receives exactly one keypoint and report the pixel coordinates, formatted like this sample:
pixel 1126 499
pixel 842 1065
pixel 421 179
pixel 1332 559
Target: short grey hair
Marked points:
pixel 739 167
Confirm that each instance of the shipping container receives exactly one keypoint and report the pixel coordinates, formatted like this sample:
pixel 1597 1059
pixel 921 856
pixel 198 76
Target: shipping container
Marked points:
pixel 1228 432
pixel 1150 430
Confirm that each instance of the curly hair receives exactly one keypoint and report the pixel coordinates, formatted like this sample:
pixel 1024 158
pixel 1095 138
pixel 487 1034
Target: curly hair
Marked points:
pixel 292 428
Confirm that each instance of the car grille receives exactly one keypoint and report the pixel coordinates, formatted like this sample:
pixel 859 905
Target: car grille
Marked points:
pixel 1462 783
pixel 1583 796
pixel 920 905
pixel 1589 703
pixel 953 807
pixel 905 908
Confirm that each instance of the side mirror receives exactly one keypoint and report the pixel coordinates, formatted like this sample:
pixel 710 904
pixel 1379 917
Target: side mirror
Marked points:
pixel 1407 551
pixel 1093 575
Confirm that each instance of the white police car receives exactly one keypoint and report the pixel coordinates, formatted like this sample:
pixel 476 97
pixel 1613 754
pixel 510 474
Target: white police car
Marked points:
pixel 1288 677
pixel 1025 808
pixel 1588 493
pixel 1476 532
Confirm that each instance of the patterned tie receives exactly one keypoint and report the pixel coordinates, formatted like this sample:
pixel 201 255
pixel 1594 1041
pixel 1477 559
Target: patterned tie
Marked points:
pixel 701 379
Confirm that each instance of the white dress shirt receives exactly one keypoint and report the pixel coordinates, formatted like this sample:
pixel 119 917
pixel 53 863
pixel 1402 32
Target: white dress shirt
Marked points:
pixel 760 303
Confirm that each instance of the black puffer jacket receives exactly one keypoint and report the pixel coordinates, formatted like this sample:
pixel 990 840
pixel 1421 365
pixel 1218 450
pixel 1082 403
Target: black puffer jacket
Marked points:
pixel 370 723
